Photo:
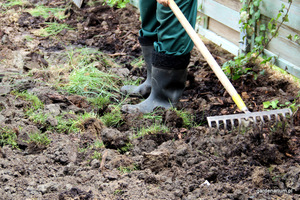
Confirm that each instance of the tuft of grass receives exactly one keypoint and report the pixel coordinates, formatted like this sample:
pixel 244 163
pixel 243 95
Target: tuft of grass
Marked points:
pixel 153 129
pixel 113 118
pixel 51 29
pixel 126 148
pixel 8 137
pixel 36 102
pixel 36 116
pixel 100 101
pixel 188 118
pixel 11 3
pixel 98 144
pixel 40 139
pixel 127 169
pixel 46 12
pixel 89 81
pixel 97 155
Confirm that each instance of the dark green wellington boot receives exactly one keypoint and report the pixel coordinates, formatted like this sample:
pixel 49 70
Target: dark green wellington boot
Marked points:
pixel 167 83
pixel 145 88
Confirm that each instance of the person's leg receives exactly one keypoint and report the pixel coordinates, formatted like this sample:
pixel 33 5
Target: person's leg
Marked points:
pixel 148 35
pixel 169 60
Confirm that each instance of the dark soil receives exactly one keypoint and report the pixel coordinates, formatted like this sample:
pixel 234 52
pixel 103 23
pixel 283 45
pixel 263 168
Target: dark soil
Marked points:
pixel 185 163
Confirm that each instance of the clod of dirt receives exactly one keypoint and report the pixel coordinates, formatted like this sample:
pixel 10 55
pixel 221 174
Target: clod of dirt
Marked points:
pixel 155 160
pixel 75 193
pixel 113 138
pixel 171 119
pixel 261 177
pixel 292 179
pixel 92 126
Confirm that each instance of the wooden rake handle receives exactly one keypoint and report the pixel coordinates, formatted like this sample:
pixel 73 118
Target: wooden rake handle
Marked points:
pixel 208 57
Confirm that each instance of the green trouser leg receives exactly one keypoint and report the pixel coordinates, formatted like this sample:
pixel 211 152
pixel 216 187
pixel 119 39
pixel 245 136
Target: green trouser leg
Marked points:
pixel 161 25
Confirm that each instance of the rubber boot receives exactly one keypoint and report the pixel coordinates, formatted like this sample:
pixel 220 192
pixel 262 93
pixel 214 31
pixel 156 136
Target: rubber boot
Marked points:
pixel 145 88
pixel 167 86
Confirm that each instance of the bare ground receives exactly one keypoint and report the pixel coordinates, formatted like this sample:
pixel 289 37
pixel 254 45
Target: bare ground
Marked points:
pixel 184 163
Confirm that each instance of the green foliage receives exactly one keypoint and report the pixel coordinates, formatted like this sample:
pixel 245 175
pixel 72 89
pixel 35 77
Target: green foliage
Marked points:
pixel 100 101
pixel 113 118
pixel 37 116
pixel 117 3
pixel 40 139
pixel 275 105
pixel 98 144
pixel 188 118
pixel 65 125
pixel 89 81
pixel 127 169
pixel 46 12
pixel 8 137
pixel 52 29
pixel 97 155
pixel 153 129
pixel 126 148
pixel 36 102
pixel 11 3
pixel 258 36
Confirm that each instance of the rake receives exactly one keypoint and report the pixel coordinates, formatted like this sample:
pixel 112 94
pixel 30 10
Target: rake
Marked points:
pixel 247 117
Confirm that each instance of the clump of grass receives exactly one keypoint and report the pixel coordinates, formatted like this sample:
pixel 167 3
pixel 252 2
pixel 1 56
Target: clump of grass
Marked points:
pixel 36 102
pixel 89 81
pixel 100 101
pixel 8 137
pixel 36 116
pixel 125 148
pixel 97 155
pixel 188 118
pixel 127 169
pixel 98 144
pixel 51 29
pixel 46 12
pixel 66 125
pixel 153 129
pixel 113 118
pixel 11 3
pixel 39 139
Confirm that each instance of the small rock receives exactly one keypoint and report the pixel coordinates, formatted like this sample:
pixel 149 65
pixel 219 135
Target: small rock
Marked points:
pixel 53 109
pixel 112 138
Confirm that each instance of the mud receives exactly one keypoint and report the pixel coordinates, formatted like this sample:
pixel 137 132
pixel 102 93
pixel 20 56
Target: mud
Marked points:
pixel 187 162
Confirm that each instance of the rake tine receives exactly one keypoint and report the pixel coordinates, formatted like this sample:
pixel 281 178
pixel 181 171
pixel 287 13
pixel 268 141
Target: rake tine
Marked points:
pixel 218 125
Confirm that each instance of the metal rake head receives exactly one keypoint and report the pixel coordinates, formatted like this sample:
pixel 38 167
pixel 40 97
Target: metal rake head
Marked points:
pixel 248 119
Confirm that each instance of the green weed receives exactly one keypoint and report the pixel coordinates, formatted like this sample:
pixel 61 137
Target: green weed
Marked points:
pixel 8 137
pixel 153 129
pixel 126 148
pixel 40 139
pixel 117 3
pixel 98 144
pixel 188 118
pixel 97 155
pixel 11 3
pixel 36 116
pixel 113 118
pixel 127 169
pixel 36 102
